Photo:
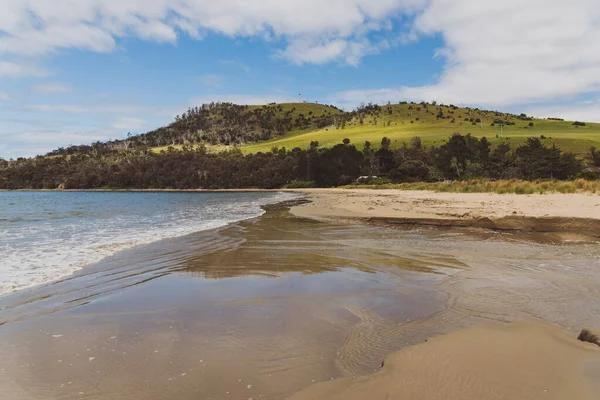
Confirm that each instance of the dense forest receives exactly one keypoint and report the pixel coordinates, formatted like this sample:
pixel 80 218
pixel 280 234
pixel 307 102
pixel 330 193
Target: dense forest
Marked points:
pixel 460 157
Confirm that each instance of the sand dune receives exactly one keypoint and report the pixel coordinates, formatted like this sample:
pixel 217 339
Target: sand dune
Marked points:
pixel 514 361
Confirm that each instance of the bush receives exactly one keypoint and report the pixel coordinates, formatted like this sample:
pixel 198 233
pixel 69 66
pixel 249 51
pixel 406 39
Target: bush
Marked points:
pixel 373 180
pixel 379 181
pixel 577 123
pixel 301 185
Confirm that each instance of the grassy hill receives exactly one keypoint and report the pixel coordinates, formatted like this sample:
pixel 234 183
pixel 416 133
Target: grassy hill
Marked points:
pixel 259 128
pixel 221 125
pixel 434 124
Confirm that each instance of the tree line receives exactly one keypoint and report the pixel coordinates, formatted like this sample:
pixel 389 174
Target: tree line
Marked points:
pixel 460 157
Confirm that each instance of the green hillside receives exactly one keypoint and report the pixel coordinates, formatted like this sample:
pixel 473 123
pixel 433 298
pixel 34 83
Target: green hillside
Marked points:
pixel 255 122
pixel 434 124
pixel 221 126
pixel 259 128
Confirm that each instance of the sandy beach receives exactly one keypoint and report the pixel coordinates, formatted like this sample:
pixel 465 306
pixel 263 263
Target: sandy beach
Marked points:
pixel 525 361
pixel 514 361
pixel 567 213
pixel 285 305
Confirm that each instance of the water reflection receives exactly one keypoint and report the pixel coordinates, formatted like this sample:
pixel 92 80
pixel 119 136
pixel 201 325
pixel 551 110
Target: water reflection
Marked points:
pixel 263 308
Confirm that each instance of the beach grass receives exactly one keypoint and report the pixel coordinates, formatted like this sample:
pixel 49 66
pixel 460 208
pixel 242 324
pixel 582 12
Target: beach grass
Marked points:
pixel 514 186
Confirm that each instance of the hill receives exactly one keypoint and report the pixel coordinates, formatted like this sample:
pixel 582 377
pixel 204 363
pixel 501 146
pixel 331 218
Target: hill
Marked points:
pixel 434 124
pixel 222 124
pixel 259 128
pixel 304 144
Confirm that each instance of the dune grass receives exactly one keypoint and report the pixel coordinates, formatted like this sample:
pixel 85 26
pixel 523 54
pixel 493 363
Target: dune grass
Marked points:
pixel 514 186
pixel 404 123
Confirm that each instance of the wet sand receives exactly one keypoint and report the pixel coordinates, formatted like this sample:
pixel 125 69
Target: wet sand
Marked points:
pixel 574 214
pixel 268 307
pixel 515 361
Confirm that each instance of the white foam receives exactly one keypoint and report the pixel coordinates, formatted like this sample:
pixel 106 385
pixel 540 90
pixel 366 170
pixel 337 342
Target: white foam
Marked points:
pixel 40 251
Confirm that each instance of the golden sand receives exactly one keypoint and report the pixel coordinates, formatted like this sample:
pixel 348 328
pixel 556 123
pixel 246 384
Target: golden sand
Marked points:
pixel 569 213
pixel 515 361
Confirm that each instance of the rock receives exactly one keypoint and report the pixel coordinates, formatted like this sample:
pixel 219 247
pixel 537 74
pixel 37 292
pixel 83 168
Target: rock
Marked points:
pixel 590 336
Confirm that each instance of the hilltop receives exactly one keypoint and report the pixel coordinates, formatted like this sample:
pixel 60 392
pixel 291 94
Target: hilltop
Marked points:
pixel 259 128
pixel 434 123
pixel 219 125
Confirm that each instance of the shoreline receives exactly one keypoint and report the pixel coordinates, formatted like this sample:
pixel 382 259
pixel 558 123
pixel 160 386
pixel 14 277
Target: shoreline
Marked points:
pixel 250 190
pixel 261 276
pixel 446 335
pixel 117 248
pixel 576 216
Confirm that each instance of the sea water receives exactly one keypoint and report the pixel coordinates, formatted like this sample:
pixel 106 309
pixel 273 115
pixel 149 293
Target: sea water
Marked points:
pixel 45 236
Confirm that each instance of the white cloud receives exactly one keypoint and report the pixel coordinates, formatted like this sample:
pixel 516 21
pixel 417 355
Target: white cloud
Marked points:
pixel 13 69
pixel 505 52
pixel 77 108
pixel 4 96
pixel 320 52
pixel 130 124
pixel 236 64
pixel 332 30
pixel 48 88
pixel 28 143
pixel 211 80
pixel 588 111
pixel 67 108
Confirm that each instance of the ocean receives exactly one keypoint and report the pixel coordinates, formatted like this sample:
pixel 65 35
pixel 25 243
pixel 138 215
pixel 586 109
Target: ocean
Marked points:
pixel 45 236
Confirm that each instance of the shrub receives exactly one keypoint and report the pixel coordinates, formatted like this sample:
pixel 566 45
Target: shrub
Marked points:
pixel 379 181
pixel 301 185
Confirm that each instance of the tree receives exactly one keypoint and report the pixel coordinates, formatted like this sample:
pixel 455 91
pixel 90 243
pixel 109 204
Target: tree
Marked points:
pixel 385 143
pixel 411 171
pixel 384 157
pixel 534 160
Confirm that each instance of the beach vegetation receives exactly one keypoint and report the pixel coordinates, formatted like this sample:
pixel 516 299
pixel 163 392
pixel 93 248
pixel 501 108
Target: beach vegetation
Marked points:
pixel 301 185
pixel 514 186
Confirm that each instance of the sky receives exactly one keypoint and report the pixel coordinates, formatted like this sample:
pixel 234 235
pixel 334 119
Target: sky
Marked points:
pixel 78 71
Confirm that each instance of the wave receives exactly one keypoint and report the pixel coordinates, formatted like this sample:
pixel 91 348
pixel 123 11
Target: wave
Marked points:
pixel 45 251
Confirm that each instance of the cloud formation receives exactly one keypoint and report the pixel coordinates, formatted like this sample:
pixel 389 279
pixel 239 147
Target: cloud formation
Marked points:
pixel 312 30
pixel 211 80
pixel 13 69
pixel 130 124
pixel 506 52
pixel 48 88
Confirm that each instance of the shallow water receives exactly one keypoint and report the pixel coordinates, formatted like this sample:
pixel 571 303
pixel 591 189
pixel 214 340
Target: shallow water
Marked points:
pixel 47 235
pixel 263 308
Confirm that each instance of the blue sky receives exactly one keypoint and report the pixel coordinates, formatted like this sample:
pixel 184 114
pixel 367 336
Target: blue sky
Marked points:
pixel 76 71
